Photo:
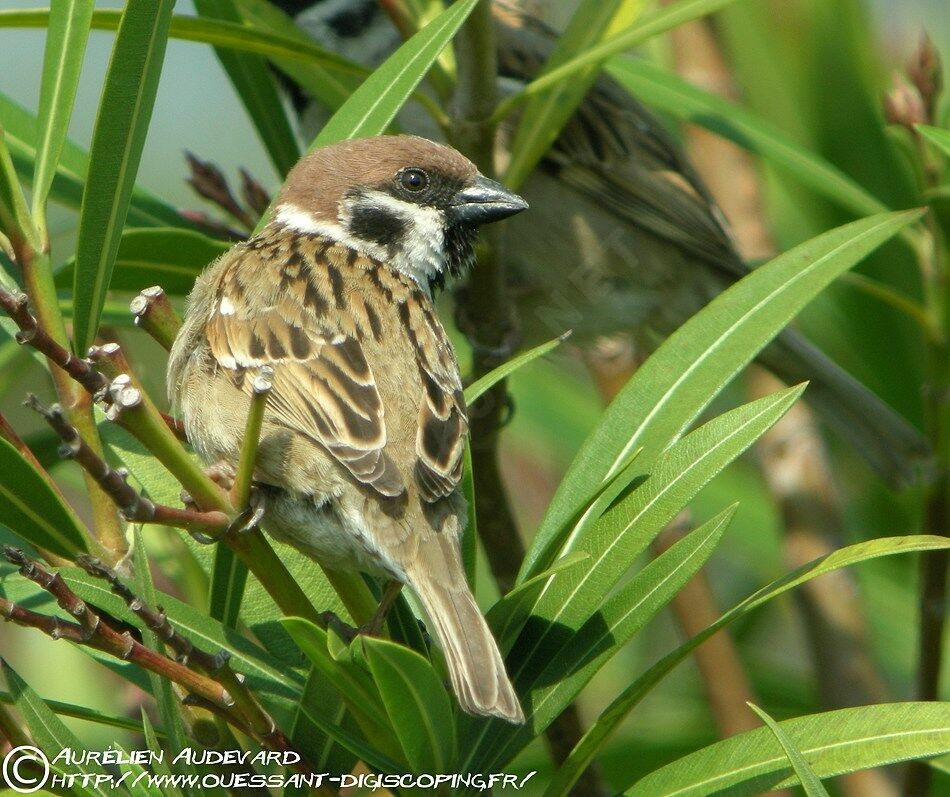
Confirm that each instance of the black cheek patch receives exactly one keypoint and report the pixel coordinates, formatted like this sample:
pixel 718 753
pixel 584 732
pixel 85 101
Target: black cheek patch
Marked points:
pixel 377 225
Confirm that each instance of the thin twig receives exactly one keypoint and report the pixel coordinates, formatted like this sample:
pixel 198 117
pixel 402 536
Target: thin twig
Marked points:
pixel 216 665
pixel 93 631
pixel 32 334
pixel 260 390
pixel 133 506
pixel 155 315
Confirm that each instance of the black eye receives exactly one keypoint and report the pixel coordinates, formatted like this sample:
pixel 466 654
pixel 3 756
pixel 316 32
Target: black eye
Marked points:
pixel 414 180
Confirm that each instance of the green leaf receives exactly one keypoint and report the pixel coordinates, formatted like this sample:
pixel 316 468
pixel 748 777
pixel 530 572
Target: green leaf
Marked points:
pixel 371 108
pixel 355 686
pixel 807 777
pixel 255 86
pixel 547 112
pixel 32 510
pixel 15 219
pixel 836 742
pixel 165 698
pixel 22 131
pixel 585 751
pixel 358 691
pixel 664 90
pixel 509 613
pixel 159 765
pixel 124 112
pixel 62 62
pixel 937 136
pixel 319 697
pixel 228 579
pixel 671 389
pixel 553 685
pixel 47 730
pixel 166 256
pixel 480 386
pixel 83 713
pixel 418 706
pixel 351 742
pixel 660 21
pixel 208 31
pixel 330 84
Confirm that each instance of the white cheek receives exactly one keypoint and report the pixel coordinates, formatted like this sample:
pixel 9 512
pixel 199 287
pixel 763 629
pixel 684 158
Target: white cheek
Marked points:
pixel 420 253
pixel 296 218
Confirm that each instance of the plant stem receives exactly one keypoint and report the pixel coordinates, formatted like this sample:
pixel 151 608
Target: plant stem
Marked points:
pixel 935 269
pixel 38 280
pixel 485 312
pixel 486 316
pixel 155 315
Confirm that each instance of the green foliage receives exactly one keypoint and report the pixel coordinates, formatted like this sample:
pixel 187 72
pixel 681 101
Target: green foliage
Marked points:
pixel 803 771
pixel 587 592
pixel 65 47
pixel 834 742
pixel 124 112
pixel 31 508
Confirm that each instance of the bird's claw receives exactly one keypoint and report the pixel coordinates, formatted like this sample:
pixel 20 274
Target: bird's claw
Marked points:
pixel 349 632
pixel 251 516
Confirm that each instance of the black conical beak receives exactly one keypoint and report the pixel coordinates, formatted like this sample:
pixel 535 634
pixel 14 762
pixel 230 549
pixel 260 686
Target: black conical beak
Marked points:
pixel 484 201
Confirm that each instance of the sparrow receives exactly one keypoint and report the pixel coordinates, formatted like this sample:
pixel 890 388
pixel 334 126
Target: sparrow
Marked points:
pixel 360 455
pixel 623 238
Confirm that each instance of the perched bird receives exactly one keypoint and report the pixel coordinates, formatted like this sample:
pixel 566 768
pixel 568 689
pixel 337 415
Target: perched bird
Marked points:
pixel 623 236
pixel 361 451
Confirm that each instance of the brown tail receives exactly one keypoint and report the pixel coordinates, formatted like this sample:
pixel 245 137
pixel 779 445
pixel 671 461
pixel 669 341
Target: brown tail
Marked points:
pixel 475 665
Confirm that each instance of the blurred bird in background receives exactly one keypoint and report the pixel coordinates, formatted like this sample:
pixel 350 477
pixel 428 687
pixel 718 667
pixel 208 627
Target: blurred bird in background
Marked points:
pixel 623 237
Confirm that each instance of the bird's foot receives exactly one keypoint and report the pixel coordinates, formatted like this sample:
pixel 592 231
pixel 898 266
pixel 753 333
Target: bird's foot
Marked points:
pixel 222 474
pixel 349 632
pixel 251 516
pixel 345 631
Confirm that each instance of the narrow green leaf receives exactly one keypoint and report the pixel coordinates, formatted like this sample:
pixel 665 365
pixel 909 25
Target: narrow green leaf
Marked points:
pixel 167 256
pixel 319 697
pixel 480 386
pixel 22 131
pixel 806 776
pixel 47 730
pixel 508 615
pixel 353 743
pixel 417 703
pixel 208 31
pixel 371 108
pixel 83 713
pixel 559 679
pixel 15 219
pixel 66 39
pixel 329 84
pixel 937 136
pixel 124 112
pixel 547 112
pixel 669 92
pixel 228 579
pixel 836 742
pixel 255 86
pixel 586 750
pixel 159 764
pixel 31 509
pixel 165 698
pixel 357 691
pixel 660 21
pixel 689 369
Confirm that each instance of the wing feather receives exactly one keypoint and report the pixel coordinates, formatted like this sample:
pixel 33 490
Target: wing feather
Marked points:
pixel 324 387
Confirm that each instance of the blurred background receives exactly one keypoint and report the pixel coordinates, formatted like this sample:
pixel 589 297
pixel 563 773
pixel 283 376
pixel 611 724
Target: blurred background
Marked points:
pixel 817 69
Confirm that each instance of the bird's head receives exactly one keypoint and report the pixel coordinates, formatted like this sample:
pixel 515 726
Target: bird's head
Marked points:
pixel 409 202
